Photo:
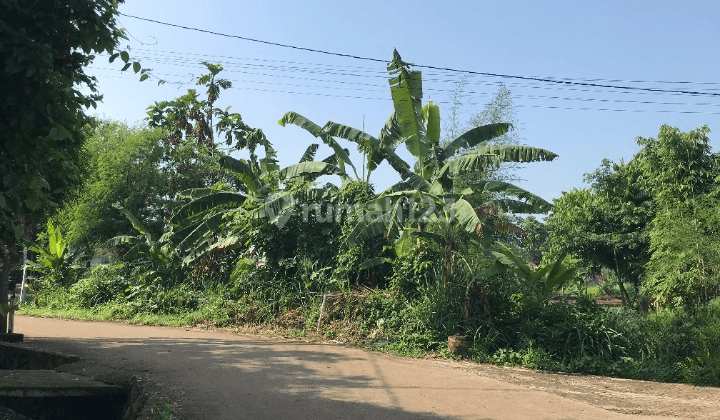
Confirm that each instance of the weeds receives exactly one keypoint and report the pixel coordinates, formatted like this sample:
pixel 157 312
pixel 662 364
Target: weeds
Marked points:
pixel 164 412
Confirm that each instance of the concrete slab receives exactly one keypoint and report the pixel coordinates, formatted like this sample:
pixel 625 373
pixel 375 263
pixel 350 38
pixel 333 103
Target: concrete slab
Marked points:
pixel 48 383
pixel 20 356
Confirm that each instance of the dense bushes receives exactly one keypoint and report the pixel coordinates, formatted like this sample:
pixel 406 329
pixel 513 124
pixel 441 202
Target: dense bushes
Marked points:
pixel 568 335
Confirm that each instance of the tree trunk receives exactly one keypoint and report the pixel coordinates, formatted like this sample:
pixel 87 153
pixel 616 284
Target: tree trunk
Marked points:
pixel 469 305
pixel 8 258
pixel 623 293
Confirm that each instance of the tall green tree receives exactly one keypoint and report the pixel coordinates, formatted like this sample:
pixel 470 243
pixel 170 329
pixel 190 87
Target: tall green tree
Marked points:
pixel 500 109
pixel 45 46
pixel 681 172
pixel 198 119
pixel 120 164
pixel 677 166
pixel 606 225
pixel 684 269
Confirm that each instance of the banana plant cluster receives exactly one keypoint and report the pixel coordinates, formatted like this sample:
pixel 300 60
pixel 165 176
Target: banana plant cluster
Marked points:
pixel 546 278
pixel 431 183
pixel 433 190
pixel 270 193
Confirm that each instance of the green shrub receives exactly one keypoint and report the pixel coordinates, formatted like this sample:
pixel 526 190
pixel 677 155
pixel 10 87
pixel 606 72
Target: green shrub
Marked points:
pixel 104 284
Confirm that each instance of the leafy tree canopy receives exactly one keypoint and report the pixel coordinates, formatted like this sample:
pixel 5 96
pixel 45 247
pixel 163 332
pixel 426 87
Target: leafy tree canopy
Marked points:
pixel 45 46
pixel 637 216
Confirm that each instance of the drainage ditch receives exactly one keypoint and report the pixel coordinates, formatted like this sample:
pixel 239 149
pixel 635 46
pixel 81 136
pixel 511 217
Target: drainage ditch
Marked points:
pixel 31 385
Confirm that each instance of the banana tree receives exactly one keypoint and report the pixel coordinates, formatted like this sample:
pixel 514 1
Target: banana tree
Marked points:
pixel 145 249
pixel 546 278
pixel 57 262
pixel 431 189
pixel 270 193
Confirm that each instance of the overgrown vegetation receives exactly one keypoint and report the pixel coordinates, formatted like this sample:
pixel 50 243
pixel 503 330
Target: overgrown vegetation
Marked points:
pixel 171 230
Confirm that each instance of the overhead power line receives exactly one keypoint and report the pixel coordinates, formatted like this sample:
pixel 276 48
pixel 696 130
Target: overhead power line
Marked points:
pixel 264 62
pixel 333 78
pixel 299 89
pixel 564 82
pixel 270 69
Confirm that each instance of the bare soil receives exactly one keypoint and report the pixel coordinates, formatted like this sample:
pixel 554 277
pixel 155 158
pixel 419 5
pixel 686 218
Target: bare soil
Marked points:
pixel 225 375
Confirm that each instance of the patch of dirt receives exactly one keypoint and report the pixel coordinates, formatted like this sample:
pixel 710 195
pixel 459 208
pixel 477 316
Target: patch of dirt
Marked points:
pixel 607 300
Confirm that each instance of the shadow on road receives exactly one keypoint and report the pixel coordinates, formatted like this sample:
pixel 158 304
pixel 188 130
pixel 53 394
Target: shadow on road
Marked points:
pixel 246 378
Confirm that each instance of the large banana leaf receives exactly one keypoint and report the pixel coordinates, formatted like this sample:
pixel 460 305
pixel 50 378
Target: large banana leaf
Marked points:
pixel 389 138
pixel 508 189
pixel 494 269
pixel 470 163
pixel 431 113
pixel 150 238
pixel 195 193
pixel 510 153
pixel 397 163
pixel 308 171
pixel 137 251
pixel 216 201
pixel 371 225
pixel 413 182
pixel 40 266
pixel 319 132
pixel 546 278
pixel 514 262
pixel 56 244
pixel 474 137
pixel 465 214
pixel 482 158
pixel 122 240
pixel 310 152
pixel 243 170
pixel 563 270
pixel 374 262
pixel 181 230
pixel 198 238
pixel 364 140
pixel 406 92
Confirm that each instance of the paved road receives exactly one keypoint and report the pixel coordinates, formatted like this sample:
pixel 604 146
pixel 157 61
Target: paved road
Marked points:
pixel 215 375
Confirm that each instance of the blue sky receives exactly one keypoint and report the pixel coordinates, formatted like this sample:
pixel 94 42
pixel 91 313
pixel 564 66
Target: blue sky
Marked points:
pixel 640 44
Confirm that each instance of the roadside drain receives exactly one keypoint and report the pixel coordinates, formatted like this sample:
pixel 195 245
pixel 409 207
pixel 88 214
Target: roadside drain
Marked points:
pixel 30 386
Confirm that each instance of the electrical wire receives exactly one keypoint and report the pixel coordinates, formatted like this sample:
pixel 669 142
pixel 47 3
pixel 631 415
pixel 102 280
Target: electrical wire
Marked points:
pixel 442 102
pixel 163 57
pixel 294 72
pixel 564 81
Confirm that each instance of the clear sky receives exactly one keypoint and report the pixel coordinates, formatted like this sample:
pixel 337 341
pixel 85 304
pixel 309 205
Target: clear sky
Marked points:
pixel 654 44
